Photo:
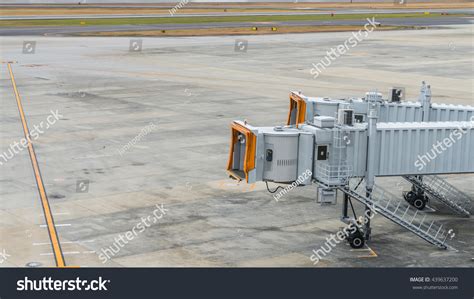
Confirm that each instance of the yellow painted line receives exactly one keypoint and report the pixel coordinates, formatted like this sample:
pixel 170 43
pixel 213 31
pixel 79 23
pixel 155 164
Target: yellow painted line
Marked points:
pixel 58 255
pixel 372 253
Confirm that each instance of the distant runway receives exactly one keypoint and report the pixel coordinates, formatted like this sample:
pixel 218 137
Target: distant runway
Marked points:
pixel 71 30
pixel 226 14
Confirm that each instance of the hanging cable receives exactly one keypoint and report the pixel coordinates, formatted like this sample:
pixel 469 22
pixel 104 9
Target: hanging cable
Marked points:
pixel 276 189
pixel 361 180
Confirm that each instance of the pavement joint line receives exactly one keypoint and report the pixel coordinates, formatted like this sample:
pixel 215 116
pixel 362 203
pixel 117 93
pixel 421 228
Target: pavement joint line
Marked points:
pixel 53 235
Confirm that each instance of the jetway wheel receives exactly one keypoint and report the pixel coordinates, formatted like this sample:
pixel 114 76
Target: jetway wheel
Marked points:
pixel 356 240
pixel 416 199
pixel 410 196
pixel 420 203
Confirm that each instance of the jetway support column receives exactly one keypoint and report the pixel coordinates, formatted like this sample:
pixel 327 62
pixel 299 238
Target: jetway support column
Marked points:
pixel 370 174
pixel 416 197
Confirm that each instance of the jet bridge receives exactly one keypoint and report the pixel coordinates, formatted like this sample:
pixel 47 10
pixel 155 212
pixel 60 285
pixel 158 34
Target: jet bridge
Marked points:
pixel 393 109
pixel 280 154
pixel 303 109
pixel 338 150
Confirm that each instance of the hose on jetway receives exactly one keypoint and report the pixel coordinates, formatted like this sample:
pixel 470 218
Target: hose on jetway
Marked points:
pixel 274 191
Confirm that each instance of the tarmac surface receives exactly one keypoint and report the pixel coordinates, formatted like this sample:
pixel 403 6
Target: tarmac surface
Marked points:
pixel 102 174
pixel 71 30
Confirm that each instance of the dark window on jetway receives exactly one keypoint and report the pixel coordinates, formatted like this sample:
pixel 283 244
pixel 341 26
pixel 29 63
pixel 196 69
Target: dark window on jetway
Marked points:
pixel 269 155
pixel 322 152
pixel 359 118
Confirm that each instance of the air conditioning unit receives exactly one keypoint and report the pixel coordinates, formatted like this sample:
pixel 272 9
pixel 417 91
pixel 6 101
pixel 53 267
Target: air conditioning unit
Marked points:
pixel 345 117
pixel 373 96
pixel 324 121
pixel 396 94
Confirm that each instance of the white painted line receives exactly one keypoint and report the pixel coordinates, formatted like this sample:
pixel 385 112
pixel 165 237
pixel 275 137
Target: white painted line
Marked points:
pixel 86 241
pixel 62 213
pixel 71 252
pixel 65 242
pixel 57 225
pixel 84 127
pixel 141 146
pixel 64 253
pixel 91 157
pixel 39 244
pixel 56 214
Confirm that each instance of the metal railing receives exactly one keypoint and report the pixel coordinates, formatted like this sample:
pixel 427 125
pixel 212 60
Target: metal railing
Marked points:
pixel 337 174
pixel 402 213
pixel 443 191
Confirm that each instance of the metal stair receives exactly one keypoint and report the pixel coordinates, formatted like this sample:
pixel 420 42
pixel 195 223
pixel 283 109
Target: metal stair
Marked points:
pixel 436 187
pixel 399 212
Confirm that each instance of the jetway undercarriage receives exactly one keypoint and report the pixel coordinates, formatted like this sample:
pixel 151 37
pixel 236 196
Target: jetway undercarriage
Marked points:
pixel 380 201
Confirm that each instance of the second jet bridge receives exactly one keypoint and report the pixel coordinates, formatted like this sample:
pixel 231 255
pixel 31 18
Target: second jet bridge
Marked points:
pixel 303 109
pixel 332 154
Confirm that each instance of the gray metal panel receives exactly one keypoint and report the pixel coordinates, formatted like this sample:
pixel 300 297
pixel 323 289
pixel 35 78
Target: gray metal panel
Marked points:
pixel 424 148
pixel 283 167
pixel 324 107
pixel 305 156
pixel 356 151
pixel 444 112
pixel 400 112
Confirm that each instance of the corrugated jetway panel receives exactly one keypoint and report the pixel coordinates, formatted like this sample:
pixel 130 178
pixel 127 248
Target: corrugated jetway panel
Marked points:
pixel 280 156
pixel 305 157
pixel 424 148
pixel 286 154
pixel 356 144
pixel 387 111
pixel 444 112
pixel 400 112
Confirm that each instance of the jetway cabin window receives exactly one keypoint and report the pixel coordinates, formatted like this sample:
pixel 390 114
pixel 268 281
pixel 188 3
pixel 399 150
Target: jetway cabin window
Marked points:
pixel 359 118
pixel 322 152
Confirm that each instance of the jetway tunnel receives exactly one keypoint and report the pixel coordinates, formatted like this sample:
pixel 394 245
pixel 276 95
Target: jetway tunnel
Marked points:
pixel 338 149
pixel 392 109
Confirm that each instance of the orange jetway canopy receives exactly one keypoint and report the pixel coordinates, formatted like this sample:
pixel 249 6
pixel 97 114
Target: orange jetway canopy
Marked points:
pixel 240 164
pixel 297 111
